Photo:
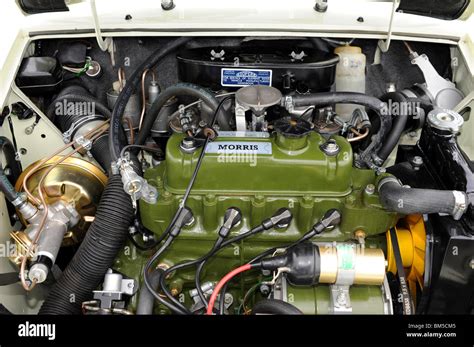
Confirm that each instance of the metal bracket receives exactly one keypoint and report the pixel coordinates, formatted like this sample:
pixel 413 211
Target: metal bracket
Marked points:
pixel 387 297
pixel 384 45
pixel 240 122
pixel 340 299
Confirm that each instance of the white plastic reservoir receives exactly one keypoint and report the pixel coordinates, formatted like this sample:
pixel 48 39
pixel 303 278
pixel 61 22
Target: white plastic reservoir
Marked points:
pixel 350 76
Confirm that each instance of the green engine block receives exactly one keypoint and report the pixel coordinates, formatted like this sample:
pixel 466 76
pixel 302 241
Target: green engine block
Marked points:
pixel 258 175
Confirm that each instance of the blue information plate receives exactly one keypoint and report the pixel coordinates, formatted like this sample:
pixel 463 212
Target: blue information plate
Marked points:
pixel 245 77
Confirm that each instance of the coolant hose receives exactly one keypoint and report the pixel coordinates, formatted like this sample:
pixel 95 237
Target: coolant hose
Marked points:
pixel 368 156
pixel 397 198
pixel 146 300
pixel 398 125
pixel 100 148
pixel 130 87
pixel 180 89
pixel 273 306
pixel 97 252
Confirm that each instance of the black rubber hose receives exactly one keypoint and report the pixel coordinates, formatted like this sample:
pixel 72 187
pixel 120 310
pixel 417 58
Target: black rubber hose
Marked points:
pixel 368 156
pixel 7 188
pixel 97 252
pixel 396 198
pixel 398 126
pixel 100 148
pixel 181 89
pixel 99 108
pixel 320 44
pixel 273 306
pixel 146 300
pixel 8 150
pixel 115 144
pixel 100 152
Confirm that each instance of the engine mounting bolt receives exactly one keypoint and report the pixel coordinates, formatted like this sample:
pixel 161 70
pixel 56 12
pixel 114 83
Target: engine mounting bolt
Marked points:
pixel 308 200
pixel 330 147
pixel 341 299
pixel 350 200
pixel 210 199
pixel 370 189
pixel 159 183
pixel 471 264
pixel 188 145
pixel 259 199
pixel 417 162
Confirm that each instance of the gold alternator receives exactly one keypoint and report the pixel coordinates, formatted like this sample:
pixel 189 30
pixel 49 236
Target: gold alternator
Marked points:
pixel 411 235
pixel 75 181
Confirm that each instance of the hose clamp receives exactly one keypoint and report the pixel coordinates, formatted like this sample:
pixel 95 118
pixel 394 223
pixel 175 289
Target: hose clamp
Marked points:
pixel 288 103
pixel 460 204
pixel 20 200
pixel 387 180
pixel 86 144
pixel 377 160
pixel 68 134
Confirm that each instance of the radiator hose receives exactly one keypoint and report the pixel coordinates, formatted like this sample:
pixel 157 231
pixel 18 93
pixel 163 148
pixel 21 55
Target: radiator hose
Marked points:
pixel 397 198
pixel 399 124
pixel 96 254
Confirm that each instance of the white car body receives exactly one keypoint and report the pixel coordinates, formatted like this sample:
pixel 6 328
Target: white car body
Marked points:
pixel 211 18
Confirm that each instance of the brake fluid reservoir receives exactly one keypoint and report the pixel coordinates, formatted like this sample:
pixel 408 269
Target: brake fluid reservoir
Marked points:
pixel 350 76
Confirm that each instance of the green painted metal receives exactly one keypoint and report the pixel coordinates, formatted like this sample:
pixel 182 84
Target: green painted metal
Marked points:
pixel 305 180
pixel 306 170
pixel 316 300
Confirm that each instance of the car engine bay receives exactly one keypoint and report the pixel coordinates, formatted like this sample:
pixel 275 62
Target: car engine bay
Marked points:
pixel 241 175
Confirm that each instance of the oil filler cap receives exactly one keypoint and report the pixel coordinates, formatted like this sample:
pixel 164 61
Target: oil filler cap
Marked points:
pixel 292 127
